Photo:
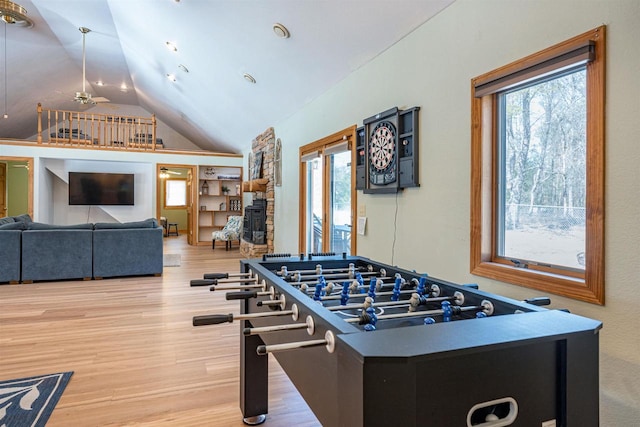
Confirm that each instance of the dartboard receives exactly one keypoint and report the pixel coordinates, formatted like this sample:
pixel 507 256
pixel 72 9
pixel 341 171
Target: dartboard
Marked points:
pixel 382 146
pixel 382 153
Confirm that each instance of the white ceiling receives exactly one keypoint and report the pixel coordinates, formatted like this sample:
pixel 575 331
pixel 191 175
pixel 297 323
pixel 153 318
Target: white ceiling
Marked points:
pixel 218 41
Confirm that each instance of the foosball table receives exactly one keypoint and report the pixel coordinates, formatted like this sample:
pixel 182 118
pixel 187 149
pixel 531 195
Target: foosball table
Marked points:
pixel 368 344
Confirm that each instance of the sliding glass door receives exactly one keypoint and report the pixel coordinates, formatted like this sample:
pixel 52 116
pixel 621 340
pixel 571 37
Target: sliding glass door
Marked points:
pixel 339 221
pixel 329 196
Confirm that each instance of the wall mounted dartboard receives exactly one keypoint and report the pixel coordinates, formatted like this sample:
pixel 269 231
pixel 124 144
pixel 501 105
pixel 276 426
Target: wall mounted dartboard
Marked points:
pixel 387 151
pixel 382 153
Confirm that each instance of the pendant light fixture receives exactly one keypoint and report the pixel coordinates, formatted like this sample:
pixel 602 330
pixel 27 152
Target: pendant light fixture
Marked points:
pixel 6 86
pixel 11 14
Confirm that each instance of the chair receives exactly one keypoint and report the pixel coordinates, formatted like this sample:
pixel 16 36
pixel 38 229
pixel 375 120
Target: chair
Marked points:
pixel 231 231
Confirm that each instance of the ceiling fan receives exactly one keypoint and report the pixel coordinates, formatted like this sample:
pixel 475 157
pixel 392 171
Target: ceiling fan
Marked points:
pixel 84 97
pixel 164 172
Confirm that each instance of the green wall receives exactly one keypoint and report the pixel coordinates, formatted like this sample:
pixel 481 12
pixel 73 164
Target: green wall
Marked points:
pixel 17 189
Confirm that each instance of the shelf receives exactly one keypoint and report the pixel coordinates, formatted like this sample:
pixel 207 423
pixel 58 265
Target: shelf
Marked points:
pixel 255 185
pixel 212 217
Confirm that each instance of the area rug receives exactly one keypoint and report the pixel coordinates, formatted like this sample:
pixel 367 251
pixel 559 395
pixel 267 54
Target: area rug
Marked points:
pixel 29 402
pixel 171 260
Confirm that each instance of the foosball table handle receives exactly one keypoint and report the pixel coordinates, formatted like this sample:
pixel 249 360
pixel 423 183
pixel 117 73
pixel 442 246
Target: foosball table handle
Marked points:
pixel 212 319
pixel 242 295
pixel 215 276
pixel 204 282
pixel 539 301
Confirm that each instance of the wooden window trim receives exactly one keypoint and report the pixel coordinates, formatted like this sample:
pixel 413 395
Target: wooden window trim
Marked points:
pixel 590 287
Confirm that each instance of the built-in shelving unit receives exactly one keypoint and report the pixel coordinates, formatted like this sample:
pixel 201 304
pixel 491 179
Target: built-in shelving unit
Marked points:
pixel 215 204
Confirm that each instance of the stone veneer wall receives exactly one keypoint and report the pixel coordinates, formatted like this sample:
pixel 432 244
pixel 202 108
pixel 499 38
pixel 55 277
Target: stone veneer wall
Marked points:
pixel 264 142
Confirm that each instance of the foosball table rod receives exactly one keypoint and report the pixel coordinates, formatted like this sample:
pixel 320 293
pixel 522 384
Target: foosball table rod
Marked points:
pixel 210 282
pixel 284 272
pixel 365 318
pixel 216 319
pixel 309 325
pixel 226 275
pixel 298 278
pixel 329 342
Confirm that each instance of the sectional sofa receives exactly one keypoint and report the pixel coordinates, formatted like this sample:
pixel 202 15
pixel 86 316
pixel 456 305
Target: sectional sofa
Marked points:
pixel 31 251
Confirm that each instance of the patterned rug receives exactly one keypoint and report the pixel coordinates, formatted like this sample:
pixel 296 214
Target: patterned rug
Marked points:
pixel 171 260
pixel 29 402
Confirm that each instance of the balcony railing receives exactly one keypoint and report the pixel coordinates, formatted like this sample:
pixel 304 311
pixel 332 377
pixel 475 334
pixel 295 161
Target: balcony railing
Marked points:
pixel 91 130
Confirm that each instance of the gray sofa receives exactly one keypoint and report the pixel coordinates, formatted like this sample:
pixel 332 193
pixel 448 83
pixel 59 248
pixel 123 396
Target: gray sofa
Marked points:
pixel 10 246
pixel 10 256
pixel 56 252
pixel 31 251
pixel 127 249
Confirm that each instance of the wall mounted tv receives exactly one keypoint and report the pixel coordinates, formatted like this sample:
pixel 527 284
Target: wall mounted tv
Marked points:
pixel 86 188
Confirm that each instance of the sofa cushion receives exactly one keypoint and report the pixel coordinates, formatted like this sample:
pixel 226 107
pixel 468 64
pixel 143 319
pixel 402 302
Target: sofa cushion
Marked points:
pixel 26 218
pixel 147 223
pixel 7 220
pixel 41 226
pixel 13 226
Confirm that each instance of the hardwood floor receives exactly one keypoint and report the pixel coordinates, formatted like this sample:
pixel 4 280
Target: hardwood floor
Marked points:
pixel 137 360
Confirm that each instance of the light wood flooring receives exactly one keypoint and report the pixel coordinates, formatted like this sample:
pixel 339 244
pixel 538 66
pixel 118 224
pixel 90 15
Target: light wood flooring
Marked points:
pixel 137 360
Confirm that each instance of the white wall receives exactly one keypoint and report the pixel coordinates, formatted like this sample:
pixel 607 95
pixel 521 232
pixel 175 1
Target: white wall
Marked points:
pixel 432 68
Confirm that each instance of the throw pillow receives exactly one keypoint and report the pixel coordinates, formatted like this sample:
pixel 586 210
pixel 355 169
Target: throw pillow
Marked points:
pixel 41 226
pixel 147 223
pixel 26 218
pixel 7 220
pixel 13 226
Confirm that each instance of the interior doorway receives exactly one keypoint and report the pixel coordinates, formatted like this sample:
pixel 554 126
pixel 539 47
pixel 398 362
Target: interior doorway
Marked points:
pixel 16 186
pixel 175 195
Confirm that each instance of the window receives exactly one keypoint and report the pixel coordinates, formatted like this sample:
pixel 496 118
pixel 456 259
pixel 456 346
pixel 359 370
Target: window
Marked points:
pixel 175 193
pixel 326 202
pixel 537 181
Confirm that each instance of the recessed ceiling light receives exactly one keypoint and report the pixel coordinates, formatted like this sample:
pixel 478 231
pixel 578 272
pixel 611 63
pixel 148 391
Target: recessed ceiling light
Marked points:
pixel 248 77
pixel 171 46
pixel 171 77
pixel 183 68
pixel 281 31
pixel 123 87
pixel 99 83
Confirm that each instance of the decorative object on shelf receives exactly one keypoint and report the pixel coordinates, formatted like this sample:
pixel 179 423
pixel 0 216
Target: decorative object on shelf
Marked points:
pixel 256 171
pixel 387 151
pixel 238 189
pixel 277 158
pixel 205 189
pixel 203 208
pixel 223 206
pixel 225 190
pixel 228 177
pixel 210 172
pixel 235 205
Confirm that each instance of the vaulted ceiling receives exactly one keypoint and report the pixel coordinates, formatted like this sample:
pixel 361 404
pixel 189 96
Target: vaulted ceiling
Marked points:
pixel 218 41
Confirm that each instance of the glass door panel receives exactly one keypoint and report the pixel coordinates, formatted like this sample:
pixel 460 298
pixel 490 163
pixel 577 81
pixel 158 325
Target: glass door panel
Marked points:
pixel 339 221
pixel 314 211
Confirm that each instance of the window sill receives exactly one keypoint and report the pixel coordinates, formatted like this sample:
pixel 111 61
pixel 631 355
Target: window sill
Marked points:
pixel 566 286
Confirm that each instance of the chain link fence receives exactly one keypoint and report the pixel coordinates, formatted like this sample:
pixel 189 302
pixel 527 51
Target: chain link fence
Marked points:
pixel 546 217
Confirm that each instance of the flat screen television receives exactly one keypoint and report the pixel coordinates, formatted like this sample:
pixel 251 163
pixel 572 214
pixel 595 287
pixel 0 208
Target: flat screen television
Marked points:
pixel 87 188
